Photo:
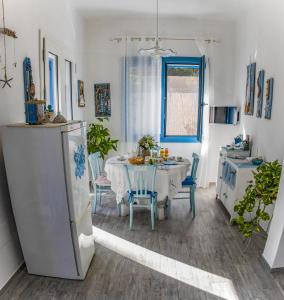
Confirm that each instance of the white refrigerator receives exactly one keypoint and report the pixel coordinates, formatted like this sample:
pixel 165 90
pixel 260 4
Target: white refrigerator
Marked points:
pixel 48 180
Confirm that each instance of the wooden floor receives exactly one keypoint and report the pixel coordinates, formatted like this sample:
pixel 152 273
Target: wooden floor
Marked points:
pixel 208 242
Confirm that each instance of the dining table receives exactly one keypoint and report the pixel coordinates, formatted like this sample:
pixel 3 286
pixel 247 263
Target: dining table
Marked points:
pixel 168 183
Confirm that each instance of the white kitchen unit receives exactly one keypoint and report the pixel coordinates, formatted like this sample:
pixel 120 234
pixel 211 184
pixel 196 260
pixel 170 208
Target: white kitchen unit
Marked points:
pixel 233 177
pixel 48 180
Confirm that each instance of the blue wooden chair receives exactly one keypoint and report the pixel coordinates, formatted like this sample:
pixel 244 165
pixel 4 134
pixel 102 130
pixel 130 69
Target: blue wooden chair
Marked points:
pixel 141 186
pixel 100 183
pixel 189 182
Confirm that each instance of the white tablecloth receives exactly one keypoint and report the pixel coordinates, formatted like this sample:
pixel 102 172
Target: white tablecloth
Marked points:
pixel 168 178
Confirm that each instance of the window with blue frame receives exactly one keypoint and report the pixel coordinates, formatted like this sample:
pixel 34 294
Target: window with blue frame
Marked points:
pixel 182 99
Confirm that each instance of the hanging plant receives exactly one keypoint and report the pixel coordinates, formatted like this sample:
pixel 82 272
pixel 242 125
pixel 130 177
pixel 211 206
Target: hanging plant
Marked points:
pixel 99 139
pixel 261 193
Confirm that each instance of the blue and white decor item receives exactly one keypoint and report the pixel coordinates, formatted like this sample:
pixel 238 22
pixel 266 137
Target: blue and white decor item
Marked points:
pixel 102 100
pixel 250 88
pixel 260 93
pixel 34 109
pixel 269 98
pixel 80 161
pixel 50 199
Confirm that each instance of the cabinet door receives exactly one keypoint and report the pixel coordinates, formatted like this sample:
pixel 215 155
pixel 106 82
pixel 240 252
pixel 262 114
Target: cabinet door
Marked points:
pixel 76 168
pixel 219 175
pixel 224 194
pixel 231 200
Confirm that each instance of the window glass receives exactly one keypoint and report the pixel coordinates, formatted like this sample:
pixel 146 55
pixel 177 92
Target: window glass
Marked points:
pixel 182 100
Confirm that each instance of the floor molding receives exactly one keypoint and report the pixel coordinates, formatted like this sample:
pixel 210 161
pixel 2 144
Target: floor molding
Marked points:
pixel 18 270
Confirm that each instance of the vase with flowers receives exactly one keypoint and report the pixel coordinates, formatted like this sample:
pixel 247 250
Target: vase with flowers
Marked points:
pixel 146 144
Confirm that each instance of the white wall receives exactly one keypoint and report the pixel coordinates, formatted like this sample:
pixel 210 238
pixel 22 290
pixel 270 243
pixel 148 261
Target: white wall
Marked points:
pixel 259 40
pixel 26 18
pixel 105 65
pixel 259 35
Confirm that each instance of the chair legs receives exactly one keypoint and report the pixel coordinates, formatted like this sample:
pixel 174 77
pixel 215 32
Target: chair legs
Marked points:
pixel 154 213
pixel 156 209
pixel 131 215
pixel 100 197
pixel 119 209
pixel 168 207
pixel 192 200
pixel 95 200
pixel 153 209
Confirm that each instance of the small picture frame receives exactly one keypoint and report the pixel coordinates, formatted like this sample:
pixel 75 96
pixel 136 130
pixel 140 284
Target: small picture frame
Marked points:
pixel 269 98
pixel 102 100
pixel 250 89
pixel 81 94
pixel 260 93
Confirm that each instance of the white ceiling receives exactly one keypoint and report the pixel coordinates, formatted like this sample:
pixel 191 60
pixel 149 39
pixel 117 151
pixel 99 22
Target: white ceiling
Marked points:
pixel 209 9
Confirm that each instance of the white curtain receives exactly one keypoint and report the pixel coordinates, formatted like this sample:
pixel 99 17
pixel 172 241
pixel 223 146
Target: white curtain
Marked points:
pixel 206 49
pixel 142 95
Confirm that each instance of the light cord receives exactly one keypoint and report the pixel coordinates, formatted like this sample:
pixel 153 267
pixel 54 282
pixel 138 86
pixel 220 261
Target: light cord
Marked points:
pixel 4 27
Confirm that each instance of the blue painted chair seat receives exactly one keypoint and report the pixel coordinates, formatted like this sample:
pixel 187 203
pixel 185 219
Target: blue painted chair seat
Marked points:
pixel 142 193
pixel 188 181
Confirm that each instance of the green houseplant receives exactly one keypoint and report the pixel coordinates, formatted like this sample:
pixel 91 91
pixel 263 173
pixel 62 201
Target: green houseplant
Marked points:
pixel 260 193
pixel 99 140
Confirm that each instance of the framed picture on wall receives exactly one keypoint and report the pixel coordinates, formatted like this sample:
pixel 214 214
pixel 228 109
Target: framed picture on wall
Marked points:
pixel 81 94
pixel 269 98
pixel 250 89
pixel 102 100
pixel 260 93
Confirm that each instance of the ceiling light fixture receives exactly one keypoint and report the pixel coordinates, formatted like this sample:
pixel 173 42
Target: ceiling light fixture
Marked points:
pixel 156 51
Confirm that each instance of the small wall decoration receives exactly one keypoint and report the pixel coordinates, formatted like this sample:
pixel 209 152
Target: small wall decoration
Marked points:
pixel 81 94
pixel 250 88
pixel 260 93
pixel 269 98
pixel 102 100
pixel 34 108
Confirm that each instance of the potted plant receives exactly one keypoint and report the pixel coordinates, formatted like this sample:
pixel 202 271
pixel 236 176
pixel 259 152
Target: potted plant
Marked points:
pixel 99 140
pixel 146 144
pixel 260 193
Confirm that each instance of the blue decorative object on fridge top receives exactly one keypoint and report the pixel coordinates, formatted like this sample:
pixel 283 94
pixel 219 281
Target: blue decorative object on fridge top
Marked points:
pixel 80 160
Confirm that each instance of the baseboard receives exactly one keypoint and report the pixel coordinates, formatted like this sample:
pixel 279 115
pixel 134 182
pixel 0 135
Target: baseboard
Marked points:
pixel 18 270
pixel 271 270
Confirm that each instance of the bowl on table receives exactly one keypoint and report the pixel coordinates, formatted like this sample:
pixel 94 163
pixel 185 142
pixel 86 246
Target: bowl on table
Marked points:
pixel 121 158
pixel 257 161
pixel 136 160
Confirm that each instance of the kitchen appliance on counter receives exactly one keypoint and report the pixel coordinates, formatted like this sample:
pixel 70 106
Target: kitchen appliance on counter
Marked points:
pixel 48 180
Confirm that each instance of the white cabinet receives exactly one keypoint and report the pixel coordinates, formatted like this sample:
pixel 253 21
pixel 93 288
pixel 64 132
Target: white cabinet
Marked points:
pixel 233 177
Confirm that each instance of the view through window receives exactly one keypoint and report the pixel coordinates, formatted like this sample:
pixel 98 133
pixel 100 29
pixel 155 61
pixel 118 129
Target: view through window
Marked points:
pixel 182 99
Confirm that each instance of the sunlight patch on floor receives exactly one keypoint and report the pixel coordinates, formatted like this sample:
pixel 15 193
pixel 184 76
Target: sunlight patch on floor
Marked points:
pixel 205 281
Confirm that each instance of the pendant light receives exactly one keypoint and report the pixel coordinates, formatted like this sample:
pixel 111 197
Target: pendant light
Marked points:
pixel 156 51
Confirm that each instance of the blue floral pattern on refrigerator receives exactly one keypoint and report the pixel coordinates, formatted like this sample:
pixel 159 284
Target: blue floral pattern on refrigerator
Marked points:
pixel 80 160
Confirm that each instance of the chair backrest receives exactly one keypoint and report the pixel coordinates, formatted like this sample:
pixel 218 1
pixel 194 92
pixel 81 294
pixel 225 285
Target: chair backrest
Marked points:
pixel 141 179
pixel 194 167
pixel 96 164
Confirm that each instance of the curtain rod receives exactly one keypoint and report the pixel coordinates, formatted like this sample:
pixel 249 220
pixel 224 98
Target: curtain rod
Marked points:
pixel 140 38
